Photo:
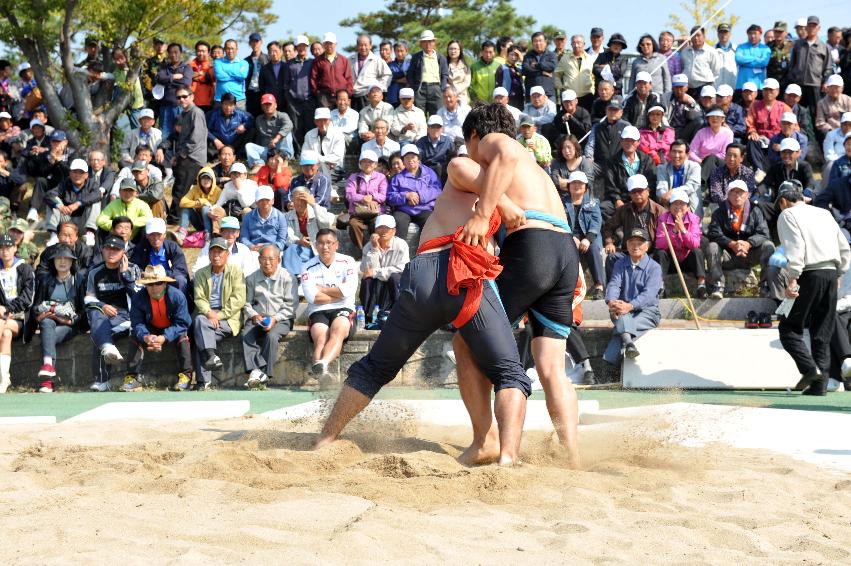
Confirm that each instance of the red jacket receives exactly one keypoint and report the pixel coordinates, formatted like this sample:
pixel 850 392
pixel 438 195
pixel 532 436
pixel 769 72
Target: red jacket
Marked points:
pixel 203 87
pixel 328 77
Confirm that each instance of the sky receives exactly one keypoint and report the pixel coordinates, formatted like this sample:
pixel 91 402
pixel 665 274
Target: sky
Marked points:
pixel 294 18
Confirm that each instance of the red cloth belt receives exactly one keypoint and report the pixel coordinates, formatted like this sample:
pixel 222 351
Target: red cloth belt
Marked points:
pixel 469 266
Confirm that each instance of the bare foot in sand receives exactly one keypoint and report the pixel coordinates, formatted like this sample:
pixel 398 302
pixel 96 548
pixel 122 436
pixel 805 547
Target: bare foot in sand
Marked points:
pixel 507 462
pixel 476 455
pixel 322 441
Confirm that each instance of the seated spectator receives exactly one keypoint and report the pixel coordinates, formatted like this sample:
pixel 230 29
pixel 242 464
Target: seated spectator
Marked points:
pixel 195 209
pixel 76 200
pixel 413 192
pixel 571 119
pixel 738 239
pixel 57 306
pixel 841 168
pixel 656 137
pixel 710 144
pixel 408 122
pixel 641 100
pixel 639 212
pixel 121 227
pixel 329 282
pixel 626 163
pixel 834 146
pixel 239 256
pixel 11 183
pixel 219 298
pixel 790 166
pixel 788 129
pixel 792 98
pixel 271 297
pixel 238 195
pixel 276 173
pixel 540 109
pixel 127 205
pixel 679 173
pixel 265 224
pixel 108 287
pixel 397 165
pixel 763 122
pixel 48 168
pixel 684 230
pixel 733 169
pixel 102 177
pixel 633 297
pixel 583 214
pixel 436 148
pixel 17 288
pixel 707 99
pixel 683 112
pixel 68 236
pixel 23 236
pixel 272 131
pixel 344 117
pixel 326 141
pixel 384 258
pixel 535 143
pixel 145 134
pixel 149 190
pixel 599 108
pixel 10 135
pixel 227 159
pixel 380 144
pixel 366 193
pixel 304 221
pixel 159 315
pixel 500 96
pixel 156 250
pixel 375 110
pixel 567 159
pixel 453 113
pixel 228 125
pixel 318 184
pixel 143 153
pixel 735 114
pixel 832 105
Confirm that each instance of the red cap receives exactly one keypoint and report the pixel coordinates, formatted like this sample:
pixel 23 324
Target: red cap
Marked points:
pixel 266 98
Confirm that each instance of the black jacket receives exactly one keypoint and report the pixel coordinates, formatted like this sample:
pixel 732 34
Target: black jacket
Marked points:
pixel 632 108
pixel 26 291
pixel 579 124
pixel 262 59
pixel 607 141
pixel 415 71
pixel 801 171
pixel 83 252
pixel 534 66
pixel 754 229
pixel 618 66
pixel 44 289
pixel 616 176
pixel 274 86
pixel 836 195
pixel 88 196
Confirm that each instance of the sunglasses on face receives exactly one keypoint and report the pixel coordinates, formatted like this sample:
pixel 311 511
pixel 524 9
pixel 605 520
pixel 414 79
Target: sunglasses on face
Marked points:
pixel 182 96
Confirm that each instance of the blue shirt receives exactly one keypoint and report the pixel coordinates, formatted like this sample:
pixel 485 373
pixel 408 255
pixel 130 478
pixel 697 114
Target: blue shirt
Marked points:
pixel 638 285
pixel 158 258
pixel 216 291
pixel 319 186
pixel 398 71
pixel 230 77
pixel 257 230
pixel 679 176
pixel 223 128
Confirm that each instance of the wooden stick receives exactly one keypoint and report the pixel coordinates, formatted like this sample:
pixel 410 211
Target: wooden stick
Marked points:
pixel 680 274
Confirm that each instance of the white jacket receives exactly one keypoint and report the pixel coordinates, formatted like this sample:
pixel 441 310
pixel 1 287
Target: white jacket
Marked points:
pixel 374 71
pixel 317 218
pixel 812 240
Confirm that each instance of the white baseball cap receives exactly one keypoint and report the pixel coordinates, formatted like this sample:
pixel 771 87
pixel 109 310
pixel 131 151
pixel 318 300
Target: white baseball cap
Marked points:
pixel 5 115
pixel 716 112
pixel 577 176
pixel 708 90
pixel 155 226
pixel 679 80
pixel 146 113
pixel 801 23
pixel 630 133
pixel 538 89
pixel 771 83
pixel 24 66
pixel 329 37
pixel 789 117
pixel 567 95
pixel 846 117
pixel 835 80
pixel 302 40
pixel 322 113
pixel 793 89
pixel 427 35
pixel 385 220
pixel 724 90
pixel 656 108
pixel 500 91
pixel 637 183
pixel 790 144
pixel 238 168
pixel 678 195
pixel 36 122
pixel 410 148
pixel 643 76
pixel 406 93
pixel 750 85
pixel 265 192
pixel 79 165
pixel 435 120
pixel 737 184
pixel 368 155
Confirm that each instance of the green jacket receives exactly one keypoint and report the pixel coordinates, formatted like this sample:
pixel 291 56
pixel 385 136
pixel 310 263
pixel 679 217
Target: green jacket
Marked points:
pixel 137 211
pixel 482 81
pixel 233 294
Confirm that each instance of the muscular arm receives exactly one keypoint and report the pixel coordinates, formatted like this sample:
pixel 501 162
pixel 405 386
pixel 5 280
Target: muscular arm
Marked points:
pixel 467 176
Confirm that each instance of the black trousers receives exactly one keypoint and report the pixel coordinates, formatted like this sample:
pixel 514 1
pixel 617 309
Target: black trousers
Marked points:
pixel 689 129
pixel 694 263
pixel 840 345
pixel 383 294
pixel 429 98
pixel 301 114
pixel 403 220
pixel 814 309
pixel 252 102
pixel 184 172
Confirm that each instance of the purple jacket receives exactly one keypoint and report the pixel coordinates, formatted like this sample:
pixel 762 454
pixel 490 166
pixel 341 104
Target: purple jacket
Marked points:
pixel 425 183
pixel 357 187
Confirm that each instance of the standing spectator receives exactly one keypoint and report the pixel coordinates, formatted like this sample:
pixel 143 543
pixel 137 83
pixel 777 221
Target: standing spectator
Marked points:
pixel 173 75
pixel 752 58
pixel 733 169
pixel 318 184
pixel 375 109
pixel 384 258
pixel 273 75
pixel 367 69
pixel 684 230
pixel 679 173
pixel 633 297
pixel 701 64
pixel 459 71
pixel 666 50
pixel 408 122
pixel 298 91
pixel 763 123
pixel 575 73
pixel 149 73
pixel 596 48
pixel 158 315
pixel 228 125
pixel 265 224
pixel 17 289
pixel 109 287
pixel 231 74
pixel 239 255
pixel 127 205
pixel 191 154
pixel 326 142
pixel 710 143
pixel 611 65
pixel 219 298
pixel 559 43
pixel 810 64
pixel 382 145
pixel 399 71
pixel 119 76
pixel 413 192
pixel 428 74
pixel 75 199
pixel 271 297
pixel 453 113
pixel 727 68
pixel 272 131
pixel 203 77
pixel 781 49
pixel 304 221
pixel 571 119
pixel 436 148
pixel 831 107
pixel 330 73
pixel 156 250
pixel 510 77
pixel 656 137
pixel 818 255
pixel 639 212
pixel 256 60
pixel 651 62
pixel 483 74
pixel 539 66
pixel 586 222
pixel 625 164
pixel 195 207
pixel 329 282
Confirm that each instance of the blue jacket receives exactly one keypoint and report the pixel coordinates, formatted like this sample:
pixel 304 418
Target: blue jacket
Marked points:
pixel 736 121
pixel 175 266
pixel 752 61
pixel 836 195
pixel 841 169
pixel 224 129
pixel 590 220
pixel 319 186
pixel 230 77
pixel 415 71
pixel 426 184
pixel 639 287
pixel 774 156
pixel 175 308
pixel 437 154
pixel 273 230
pixel 298 79
pixel 398 71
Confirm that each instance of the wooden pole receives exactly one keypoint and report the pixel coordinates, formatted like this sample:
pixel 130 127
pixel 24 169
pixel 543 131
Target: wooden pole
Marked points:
pixel 680 273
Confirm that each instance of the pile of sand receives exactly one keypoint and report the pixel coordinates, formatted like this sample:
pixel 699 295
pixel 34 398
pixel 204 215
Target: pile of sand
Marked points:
pixel 249 490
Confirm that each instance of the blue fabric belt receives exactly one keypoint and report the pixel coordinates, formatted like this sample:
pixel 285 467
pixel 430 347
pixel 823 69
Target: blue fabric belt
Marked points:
pixel 560 329
pixel 543 216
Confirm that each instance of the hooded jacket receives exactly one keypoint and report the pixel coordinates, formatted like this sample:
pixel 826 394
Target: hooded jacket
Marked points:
pixel 196 193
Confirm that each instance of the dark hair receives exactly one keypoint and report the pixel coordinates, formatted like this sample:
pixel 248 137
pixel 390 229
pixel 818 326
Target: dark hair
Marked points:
pixel 121 220
pixel 486 44
pixel 682 142
pixel 695 28
pixel 716 107
pixel 51 265
pixel 271 43
pixel 287 43
pixel 4 155
pixel 229 98
pixel 179 47
pixel 400 44
pixel 143 147
pixel 66 224
pixel 216 46
pixel 185 89
pixel 666 32
pixel 502 42
pixel 226 147
pixel 204 43
pixel 326 232
pixel 735 145
pixel 833 29
pixel 231 41
pixel 95 67
pixel 394 155
pixel 460 51
pixel 383 43
pixel 571 139
pixel 489 119
pixel 384 163
pixel 652 40
pixel 339 90
pixel 539 34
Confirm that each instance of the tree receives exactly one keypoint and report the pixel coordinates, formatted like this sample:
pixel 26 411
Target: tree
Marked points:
pixel 45 32
pixel 698 12
pixel 469 21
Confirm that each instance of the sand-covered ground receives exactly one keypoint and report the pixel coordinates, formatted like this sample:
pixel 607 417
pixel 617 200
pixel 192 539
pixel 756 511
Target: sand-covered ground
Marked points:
pixel 249 491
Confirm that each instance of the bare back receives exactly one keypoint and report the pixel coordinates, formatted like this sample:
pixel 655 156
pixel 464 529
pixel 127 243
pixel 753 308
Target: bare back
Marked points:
pixel 451 210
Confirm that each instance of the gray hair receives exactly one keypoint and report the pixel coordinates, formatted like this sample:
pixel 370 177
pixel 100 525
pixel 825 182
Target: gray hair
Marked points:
pixel 577 36
pixel 274 247
pixel 386 123
pixel 450 88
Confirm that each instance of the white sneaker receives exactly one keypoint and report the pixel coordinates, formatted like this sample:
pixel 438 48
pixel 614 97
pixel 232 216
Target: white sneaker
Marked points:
pixel 111 354
pixel 5 382
pixel 53 239
pixel 99 386
pixel 32 215
pixel 846 368
pixel 319 368
pixel 253 379
pixel 264 378
pixel 89 239
pixel 833 385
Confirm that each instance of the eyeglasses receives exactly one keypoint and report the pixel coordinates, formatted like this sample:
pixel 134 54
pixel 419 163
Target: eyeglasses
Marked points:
pixel 182 96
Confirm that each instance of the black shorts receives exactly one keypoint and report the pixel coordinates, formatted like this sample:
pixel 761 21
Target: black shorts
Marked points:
pixel 425 306
pixel 540 269
pixel 327 317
